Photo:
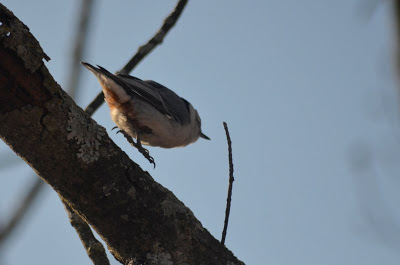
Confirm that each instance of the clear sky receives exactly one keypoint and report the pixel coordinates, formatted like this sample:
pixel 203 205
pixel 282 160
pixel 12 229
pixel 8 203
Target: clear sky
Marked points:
pixel 308 92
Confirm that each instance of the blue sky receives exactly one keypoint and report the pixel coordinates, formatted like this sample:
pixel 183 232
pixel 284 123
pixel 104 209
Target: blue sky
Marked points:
pixel 307 89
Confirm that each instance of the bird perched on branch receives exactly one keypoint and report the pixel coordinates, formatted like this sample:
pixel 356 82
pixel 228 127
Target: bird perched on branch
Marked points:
pixel 148 111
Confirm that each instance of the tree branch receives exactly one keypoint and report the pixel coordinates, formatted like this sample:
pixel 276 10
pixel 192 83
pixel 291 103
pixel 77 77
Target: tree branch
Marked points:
pixel 93 247
pixel 143 51
pixel 135 216
pixel 231 180
pixel 79 43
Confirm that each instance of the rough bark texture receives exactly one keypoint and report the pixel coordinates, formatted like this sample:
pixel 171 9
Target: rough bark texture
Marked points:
pixel 140 220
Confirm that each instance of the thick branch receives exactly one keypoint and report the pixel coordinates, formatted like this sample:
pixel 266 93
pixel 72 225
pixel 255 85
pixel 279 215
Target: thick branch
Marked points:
pixel 137 217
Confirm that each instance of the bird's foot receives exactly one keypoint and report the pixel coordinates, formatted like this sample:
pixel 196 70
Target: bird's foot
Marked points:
pixel 147 155
pixel 139 147
pixel 144 152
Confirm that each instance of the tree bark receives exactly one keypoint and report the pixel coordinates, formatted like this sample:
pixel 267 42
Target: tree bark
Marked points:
pixel 140 220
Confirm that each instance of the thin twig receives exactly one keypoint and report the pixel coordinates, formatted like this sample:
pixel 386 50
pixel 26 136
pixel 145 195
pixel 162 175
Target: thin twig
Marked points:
pixel 78 49
pixel 95 104
pixel 157 39
pixel 93 247
pixel 22 210
pixel 143 51
pixel 231 180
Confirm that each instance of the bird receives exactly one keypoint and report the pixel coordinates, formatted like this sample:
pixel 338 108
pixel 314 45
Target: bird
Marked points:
pixel 148 111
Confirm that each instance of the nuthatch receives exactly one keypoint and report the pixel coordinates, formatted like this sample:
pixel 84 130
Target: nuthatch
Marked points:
pixel 148 111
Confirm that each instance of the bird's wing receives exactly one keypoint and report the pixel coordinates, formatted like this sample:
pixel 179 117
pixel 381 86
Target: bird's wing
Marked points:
pixel 160 97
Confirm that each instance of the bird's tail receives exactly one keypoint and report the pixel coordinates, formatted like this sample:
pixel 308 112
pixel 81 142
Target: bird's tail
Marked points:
pixel 114 92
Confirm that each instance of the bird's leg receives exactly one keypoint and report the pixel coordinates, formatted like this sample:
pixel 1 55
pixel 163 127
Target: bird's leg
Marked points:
pixel 144 151
pixel 138 146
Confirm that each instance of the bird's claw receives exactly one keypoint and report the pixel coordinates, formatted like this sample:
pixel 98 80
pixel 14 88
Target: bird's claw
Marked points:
pixel 139 147
pixel 145 150
pixel 145 153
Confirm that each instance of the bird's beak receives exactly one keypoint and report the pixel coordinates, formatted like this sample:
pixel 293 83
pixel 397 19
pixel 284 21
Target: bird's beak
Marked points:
pixel 202 135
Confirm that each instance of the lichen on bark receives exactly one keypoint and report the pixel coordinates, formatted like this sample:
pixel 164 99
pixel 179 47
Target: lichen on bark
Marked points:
pixel 86 135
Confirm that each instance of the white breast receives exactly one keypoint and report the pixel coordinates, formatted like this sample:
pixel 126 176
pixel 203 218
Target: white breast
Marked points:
pixel 165 131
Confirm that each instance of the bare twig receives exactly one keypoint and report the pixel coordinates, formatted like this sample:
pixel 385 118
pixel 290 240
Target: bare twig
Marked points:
pixel 157 39
pixel 95 104
pixel 93 247
pixel 143 51
pixel 22 210
pixel 81 34
pixel 231 180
